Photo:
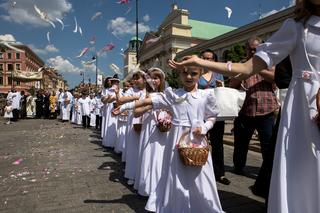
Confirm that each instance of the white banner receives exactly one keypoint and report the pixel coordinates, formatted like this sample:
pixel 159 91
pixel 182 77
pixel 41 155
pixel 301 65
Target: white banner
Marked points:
pixel 27 75
pixel 99 80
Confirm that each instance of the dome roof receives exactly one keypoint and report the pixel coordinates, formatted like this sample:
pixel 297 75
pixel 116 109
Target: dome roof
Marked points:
pixel 134 38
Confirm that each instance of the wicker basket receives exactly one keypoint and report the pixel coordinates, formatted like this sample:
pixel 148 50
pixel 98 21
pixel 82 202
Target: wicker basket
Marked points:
pixel 193 156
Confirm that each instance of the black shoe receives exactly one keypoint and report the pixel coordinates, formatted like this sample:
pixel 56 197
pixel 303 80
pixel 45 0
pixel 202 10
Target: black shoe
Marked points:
pixel 259 193
pixel 223 180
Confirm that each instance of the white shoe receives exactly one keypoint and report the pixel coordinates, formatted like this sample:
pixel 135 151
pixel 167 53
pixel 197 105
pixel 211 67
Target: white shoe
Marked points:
pixel 8 122
pixel 130 182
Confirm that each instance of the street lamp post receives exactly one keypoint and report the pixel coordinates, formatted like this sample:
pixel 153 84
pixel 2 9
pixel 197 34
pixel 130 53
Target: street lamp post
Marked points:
pixel 96 58
pixel 137 32
pixel 82 74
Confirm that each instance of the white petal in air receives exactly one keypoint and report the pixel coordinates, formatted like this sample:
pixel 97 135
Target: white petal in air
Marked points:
pixel 229 11
pixel 96 15
pixel 61 22
pixel 76 25
pixel 80 31
pixel 44 16
pixel 115 68
pixel 48 37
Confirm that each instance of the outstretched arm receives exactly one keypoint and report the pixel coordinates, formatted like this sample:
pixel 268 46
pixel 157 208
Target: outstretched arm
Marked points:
pixel 252 66
pixel 139 111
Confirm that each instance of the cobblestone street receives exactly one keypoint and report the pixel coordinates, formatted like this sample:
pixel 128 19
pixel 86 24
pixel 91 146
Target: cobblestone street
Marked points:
pixel 49 166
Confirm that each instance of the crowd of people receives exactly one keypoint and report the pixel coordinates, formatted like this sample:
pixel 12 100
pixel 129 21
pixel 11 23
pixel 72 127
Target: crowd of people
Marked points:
pixel 149 123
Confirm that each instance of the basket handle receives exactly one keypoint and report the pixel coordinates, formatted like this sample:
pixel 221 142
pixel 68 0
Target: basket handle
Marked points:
pixel 185 133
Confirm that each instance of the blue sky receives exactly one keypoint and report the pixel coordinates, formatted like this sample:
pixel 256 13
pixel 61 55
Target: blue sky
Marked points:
pixel 115 25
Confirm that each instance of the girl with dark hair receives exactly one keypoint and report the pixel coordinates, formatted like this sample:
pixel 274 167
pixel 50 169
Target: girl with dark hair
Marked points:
pixel 295 178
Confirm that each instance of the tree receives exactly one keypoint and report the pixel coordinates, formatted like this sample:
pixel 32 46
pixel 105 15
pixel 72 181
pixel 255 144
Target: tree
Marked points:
pixel 173 79
pixel 236 54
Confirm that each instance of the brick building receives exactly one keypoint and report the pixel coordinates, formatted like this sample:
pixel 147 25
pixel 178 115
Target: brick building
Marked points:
pixel 11 60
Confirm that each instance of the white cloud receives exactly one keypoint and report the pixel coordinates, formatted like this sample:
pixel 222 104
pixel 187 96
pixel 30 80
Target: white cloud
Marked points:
pixel 269 13
pixel 24 12
pixel 50 48
pixel 7 37
pixel 63 65
pixel 121 26
pixel 146 18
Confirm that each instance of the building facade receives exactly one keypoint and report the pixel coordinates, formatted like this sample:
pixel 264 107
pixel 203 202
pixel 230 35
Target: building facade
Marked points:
pixel 52 80
pixel 263 28
pixel 10 61
pixel 176 33
pixel 130 54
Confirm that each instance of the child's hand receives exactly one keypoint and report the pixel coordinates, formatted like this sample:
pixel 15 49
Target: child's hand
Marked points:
pixel 197 132
pixel 116 111
pixel 219 83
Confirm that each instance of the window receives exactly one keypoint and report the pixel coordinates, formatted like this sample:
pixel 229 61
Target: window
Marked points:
pixel 18 83
pixel 1 55
pixel 1 67
pixel 10 67
pixel 9 80
pixel 9 56
pixel 17 55
pixel 1 80
pixel 18 67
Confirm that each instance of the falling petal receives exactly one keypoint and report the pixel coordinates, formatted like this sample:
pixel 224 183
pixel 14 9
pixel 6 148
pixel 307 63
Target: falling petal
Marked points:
pixel 108 47
pixel 17 162
pixel 128 11
pixel 96 15
pixel 115 68
pixel 123 2
pixel 83 52
pixel 61 22
pixel 48 37
pixel 44 16
pixel 229 11
pixel 76 25
pixel 80 31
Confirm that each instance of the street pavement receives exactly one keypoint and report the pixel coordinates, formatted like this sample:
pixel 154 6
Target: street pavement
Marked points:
pixel 50 166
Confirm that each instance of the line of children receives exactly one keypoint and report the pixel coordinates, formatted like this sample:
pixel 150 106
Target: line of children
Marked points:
pixel 152 160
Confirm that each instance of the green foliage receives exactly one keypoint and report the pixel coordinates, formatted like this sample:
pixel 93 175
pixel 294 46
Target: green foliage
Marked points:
pixel 236 54
pixel 173 79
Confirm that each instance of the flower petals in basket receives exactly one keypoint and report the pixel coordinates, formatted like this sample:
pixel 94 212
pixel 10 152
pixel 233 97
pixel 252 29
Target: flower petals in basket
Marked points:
pixel 164 120
pixel 192 154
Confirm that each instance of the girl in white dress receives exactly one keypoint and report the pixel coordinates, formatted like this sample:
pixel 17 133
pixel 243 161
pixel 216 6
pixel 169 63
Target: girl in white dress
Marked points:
pixel 132 136
pixel 295 181
pixel 152 141
pixel 122 124
pixel 92 105
pixel 104 96
pixel 8 112
pixel 110 137
pixel 185 188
